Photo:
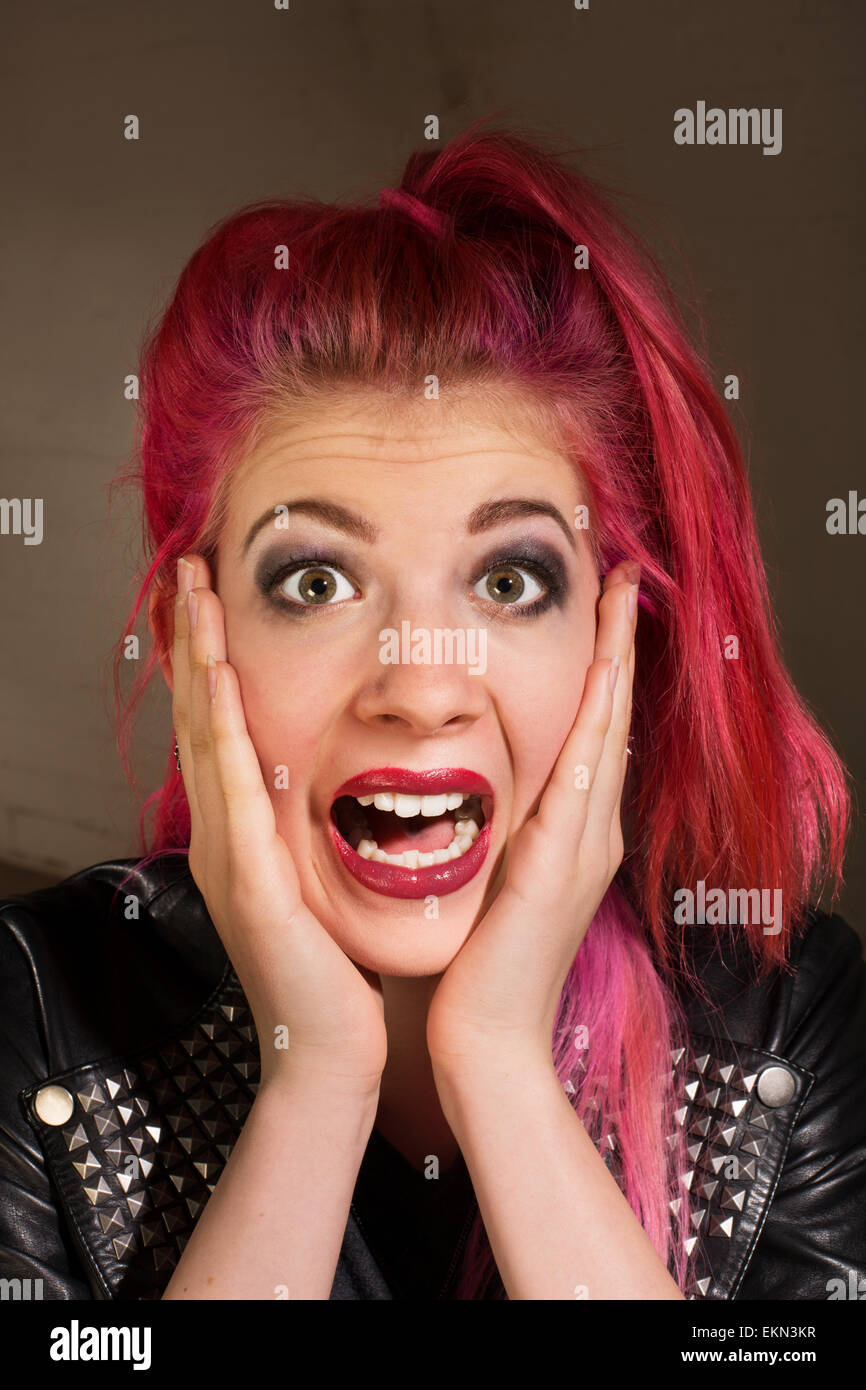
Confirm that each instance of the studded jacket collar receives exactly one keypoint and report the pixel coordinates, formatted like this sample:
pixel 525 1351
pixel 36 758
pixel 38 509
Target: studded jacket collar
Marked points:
pixel 129 1061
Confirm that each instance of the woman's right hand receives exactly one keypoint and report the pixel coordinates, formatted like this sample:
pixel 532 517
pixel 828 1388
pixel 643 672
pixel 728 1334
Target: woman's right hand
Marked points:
pixel 294 975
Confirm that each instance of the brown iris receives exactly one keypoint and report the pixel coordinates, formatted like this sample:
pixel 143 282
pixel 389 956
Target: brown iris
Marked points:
pixel 504 583
pixel 317 585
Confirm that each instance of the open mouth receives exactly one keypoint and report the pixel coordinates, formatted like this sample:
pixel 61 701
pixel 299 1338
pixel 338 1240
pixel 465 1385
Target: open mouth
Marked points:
pixel 411 832
pixel 408 834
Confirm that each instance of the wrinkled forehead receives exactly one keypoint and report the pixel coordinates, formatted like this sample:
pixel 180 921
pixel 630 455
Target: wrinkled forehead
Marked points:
pixel 368 426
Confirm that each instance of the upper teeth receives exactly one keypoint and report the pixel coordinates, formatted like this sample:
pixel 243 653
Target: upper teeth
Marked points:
pixel 406 806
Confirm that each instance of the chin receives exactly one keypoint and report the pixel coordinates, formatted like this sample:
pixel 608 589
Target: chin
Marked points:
pixel 409 948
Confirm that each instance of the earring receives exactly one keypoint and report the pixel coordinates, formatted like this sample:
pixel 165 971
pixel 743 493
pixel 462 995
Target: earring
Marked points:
pixel 176 755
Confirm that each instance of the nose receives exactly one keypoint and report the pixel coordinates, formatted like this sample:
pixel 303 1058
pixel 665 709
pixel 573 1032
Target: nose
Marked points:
pixel 421 679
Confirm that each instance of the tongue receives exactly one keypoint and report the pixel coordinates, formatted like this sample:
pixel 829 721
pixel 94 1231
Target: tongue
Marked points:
pixel 394 834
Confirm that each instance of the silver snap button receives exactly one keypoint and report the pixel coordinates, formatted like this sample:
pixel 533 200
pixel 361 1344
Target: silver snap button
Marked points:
pixel 54 1105
pixel 776 1086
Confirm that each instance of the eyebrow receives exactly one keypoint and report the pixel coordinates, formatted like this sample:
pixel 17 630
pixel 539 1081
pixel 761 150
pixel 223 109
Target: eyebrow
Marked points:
pixel 483 518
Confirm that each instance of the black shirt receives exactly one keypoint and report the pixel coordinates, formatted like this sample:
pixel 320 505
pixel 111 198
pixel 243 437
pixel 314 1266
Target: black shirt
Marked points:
pixel 415 1226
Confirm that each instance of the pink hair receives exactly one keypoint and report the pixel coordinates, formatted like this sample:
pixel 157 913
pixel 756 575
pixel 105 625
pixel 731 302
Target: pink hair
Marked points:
pixel 732 781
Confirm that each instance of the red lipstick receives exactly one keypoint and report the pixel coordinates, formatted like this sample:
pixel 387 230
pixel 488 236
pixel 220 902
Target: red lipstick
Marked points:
pixel 392 880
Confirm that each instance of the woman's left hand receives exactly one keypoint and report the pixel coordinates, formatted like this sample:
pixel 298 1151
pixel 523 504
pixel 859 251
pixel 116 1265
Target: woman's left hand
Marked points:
pixel 496 1003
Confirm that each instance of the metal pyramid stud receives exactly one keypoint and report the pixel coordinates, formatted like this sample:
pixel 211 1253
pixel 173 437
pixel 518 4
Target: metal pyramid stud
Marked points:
pixel 106 1123
pixel 152 1232
pixel 115 1151
pixel 702 1285
pixel 208 1170
pixel 123 1244
pixel 753 1145
pixel 760 1117
pixel 138 1203
pixel 88 1166
pixel 726 1134
pixel 76 1137
pixel 719 1227
pixel 735 1107
pixel 111 1220
pixel 98 1191
pixel 173 1219
pixel 91 1097
pixel 730 1198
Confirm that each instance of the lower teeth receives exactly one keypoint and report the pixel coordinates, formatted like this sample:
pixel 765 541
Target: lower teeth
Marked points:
pixel 466 831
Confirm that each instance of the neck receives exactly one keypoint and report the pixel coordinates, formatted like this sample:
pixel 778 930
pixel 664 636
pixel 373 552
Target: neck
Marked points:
pixel 409 1114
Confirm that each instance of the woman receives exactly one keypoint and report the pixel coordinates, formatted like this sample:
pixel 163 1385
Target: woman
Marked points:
pixel 476 953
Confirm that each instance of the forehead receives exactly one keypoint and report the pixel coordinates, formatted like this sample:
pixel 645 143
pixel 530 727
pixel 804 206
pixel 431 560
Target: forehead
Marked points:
pixel 364 440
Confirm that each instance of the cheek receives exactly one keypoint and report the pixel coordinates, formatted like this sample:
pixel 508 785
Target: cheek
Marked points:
pixel 285 704
pixel 538 699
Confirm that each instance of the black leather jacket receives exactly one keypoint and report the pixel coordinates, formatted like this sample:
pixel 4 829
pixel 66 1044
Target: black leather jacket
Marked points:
pixel 128 1062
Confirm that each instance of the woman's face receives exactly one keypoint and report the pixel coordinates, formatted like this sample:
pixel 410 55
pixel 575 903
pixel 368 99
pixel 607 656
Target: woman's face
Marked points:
pixel 351 523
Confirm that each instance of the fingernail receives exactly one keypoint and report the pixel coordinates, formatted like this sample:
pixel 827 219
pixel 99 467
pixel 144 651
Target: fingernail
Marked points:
pixel 185 576
pixel 632 602
pixel 614 672
pixel 192 609
pixel 631 570
pixel 212 674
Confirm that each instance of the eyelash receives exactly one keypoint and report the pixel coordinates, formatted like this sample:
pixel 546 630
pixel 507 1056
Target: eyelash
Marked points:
pixel 555 583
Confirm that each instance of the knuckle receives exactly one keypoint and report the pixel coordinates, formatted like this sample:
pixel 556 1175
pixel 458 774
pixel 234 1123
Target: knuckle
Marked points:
pixel 200 740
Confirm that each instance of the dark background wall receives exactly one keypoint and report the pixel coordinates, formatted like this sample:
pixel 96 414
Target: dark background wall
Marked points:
pixel 239 101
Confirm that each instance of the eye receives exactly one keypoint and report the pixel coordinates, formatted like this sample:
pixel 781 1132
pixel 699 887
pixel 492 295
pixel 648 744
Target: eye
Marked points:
pixel 506 585
pixel 314 585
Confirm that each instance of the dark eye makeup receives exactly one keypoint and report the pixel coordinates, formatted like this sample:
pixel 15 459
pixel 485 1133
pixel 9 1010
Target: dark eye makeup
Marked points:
pixel 541 561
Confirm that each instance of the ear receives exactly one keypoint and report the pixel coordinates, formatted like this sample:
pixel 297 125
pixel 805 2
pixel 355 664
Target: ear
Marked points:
pixel 160 620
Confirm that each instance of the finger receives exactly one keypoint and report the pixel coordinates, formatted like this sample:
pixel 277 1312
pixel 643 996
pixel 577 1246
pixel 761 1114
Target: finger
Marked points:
pixel 616 637
pixel 563 809
pixel 206 638
pixel 616 835
pixel 190 569
pixel 249 814
pixel 589 769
